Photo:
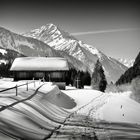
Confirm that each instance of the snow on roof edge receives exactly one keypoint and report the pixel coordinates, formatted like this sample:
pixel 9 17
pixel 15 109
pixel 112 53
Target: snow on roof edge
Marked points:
pixel 40 64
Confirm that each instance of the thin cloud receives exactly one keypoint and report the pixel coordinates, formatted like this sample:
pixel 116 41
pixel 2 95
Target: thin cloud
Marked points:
pixel 104 31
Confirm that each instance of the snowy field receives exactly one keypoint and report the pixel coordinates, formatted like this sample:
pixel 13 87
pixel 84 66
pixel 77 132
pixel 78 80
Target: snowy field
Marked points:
pixel 45 112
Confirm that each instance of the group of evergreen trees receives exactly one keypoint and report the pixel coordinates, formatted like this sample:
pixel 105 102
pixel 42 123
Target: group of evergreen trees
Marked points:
pixel 98 81
pixel 79 78
pixel 4 69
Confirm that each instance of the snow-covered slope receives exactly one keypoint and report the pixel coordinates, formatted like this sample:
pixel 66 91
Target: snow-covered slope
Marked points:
pixel 126 109
pixel 87 54
pixel 127 63
pixel 24 45
pixel 111 107
pixel 45 112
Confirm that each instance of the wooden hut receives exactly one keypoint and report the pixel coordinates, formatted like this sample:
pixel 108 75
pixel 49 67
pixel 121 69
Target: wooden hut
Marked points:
pixel 53 69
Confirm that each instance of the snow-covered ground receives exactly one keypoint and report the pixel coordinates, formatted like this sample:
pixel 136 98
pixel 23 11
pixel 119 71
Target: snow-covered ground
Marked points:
pixel 120 108
pixel 50 109
pixel 112 107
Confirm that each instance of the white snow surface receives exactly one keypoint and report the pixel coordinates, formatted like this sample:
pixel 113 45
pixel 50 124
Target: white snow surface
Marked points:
pixel 112 107
pixel 126 62
pixel 50 102
pixel 120 108
pixel 3 61
pixel 3 51
pixel 81 96
pixel 49 108
pixel 91 49
pixel 39 63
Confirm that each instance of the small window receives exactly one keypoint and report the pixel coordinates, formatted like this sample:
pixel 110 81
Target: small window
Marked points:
pixel 22 75
pixel 39 75
pixel 56 75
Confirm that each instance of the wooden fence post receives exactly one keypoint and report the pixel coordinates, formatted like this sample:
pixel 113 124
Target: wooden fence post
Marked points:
pixel 16 90
pixel 43 79
pixel 34 83
pixel 49 77
pixel 27 85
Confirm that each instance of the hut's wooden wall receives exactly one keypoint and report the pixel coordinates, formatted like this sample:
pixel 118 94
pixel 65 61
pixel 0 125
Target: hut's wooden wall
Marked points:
pixel 53 76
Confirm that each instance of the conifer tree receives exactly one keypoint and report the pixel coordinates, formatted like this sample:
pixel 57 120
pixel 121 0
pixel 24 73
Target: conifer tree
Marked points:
pixel 98 80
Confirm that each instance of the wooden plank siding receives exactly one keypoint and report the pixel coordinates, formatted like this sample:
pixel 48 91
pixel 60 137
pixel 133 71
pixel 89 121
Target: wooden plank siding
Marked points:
pixel 52 76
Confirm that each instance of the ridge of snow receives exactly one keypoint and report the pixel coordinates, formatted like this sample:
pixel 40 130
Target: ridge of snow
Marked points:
pixel 126 62
pixel 91 49
pixel 36 32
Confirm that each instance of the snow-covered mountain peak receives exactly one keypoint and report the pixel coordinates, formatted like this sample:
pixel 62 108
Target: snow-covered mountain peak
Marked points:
pixel 45 29
pixel 126 62
pixel 90 48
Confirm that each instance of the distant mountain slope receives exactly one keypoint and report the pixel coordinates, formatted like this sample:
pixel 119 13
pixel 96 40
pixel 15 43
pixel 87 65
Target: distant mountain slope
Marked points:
pixel 28 46
pixel 127 63
pixel 131 73
pixel 24 45
pixel 87 54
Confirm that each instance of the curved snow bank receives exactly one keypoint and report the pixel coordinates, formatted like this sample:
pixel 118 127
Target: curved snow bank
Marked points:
pixel 32 119
pixel 52 94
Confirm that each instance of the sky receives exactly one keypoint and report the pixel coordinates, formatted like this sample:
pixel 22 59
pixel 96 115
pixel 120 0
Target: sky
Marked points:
pixel 111 26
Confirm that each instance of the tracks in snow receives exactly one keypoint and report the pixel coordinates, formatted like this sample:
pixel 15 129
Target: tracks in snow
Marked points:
pixel 79 124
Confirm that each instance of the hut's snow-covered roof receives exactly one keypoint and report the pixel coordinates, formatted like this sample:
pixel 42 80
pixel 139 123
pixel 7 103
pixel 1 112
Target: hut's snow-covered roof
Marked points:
pixel 39 64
